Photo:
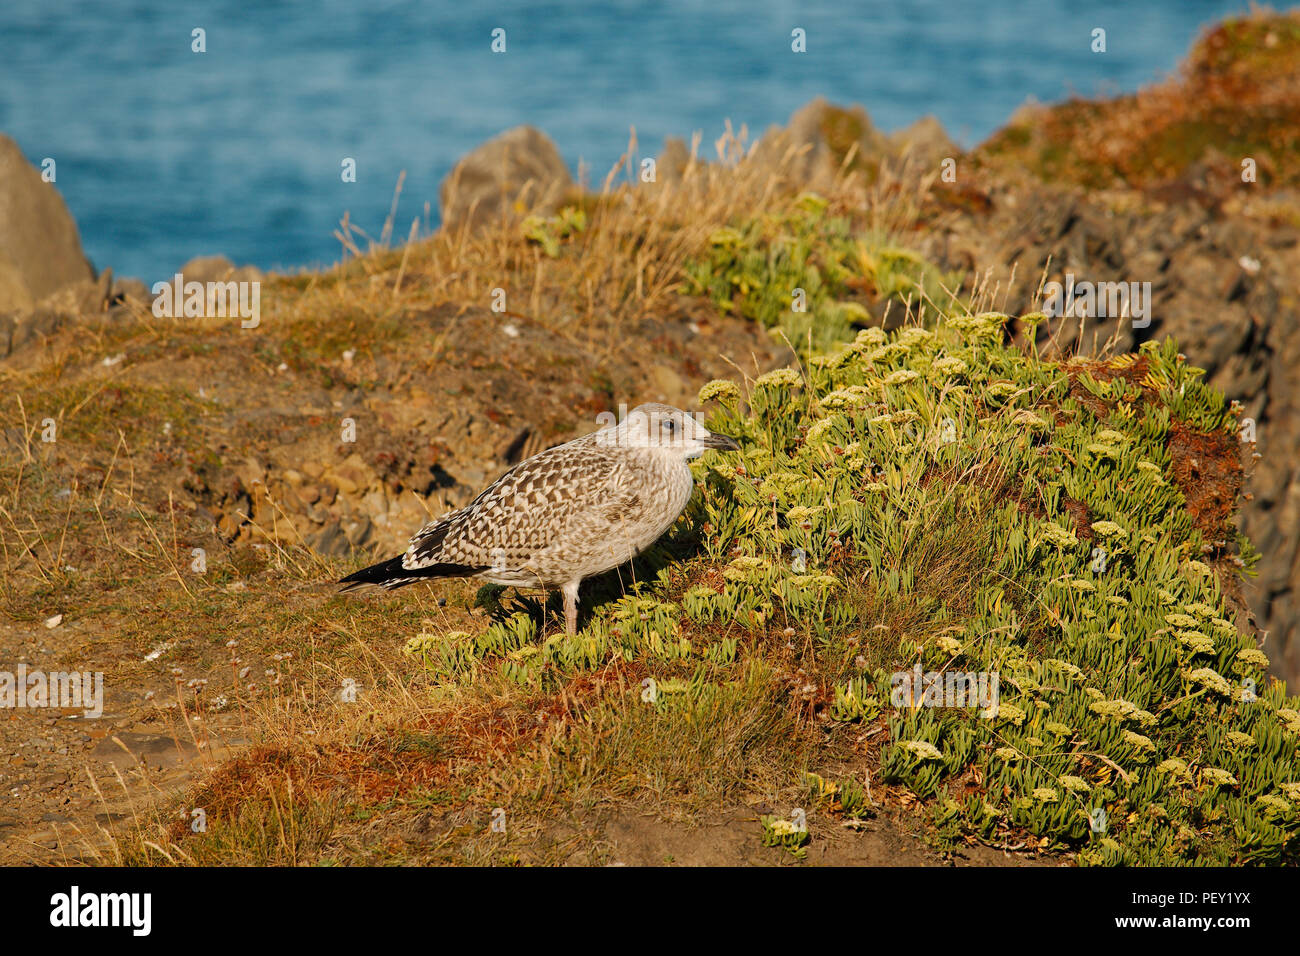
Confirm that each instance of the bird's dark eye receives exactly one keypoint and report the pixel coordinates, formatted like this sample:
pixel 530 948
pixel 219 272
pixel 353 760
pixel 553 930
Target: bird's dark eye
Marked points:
pixel 670 425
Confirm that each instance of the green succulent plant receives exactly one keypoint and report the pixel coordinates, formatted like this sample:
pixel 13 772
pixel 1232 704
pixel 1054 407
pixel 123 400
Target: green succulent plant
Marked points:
pixel 935 497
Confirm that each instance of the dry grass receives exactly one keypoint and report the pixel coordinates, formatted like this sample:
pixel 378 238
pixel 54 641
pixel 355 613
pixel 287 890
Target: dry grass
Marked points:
pixel 626 262
pixel 258 648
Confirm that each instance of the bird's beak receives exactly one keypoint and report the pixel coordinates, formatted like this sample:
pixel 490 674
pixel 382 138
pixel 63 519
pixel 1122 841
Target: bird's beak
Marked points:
pixel 720 442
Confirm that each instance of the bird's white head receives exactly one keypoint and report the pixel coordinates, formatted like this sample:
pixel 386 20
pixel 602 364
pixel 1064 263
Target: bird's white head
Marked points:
pixel 653 425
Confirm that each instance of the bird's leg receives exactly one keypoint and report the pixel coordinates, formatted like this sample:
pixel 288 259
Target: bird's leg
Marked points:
pixel 571 607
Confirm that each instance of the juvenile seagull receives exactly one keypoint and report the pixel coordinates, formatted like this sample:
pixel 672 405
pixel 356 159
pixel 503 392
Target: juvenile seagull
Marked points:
pixel 565 514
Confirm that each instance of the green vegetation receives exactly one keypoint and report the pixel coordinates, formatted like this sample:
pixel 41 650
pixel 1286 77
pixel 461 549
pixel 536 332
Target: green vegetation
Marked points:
pixel 759 268
pixel 1069 566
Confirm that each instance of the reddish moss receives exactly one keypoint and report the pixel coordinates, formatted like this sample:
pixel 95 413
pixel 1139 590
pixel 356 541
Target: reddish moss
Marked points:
pixel 1207 469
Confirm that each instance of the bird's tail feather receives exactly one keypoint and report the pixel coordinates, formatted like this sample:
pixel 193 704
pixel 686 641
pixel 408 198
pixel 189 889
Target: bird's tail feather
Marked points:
pixel 391 574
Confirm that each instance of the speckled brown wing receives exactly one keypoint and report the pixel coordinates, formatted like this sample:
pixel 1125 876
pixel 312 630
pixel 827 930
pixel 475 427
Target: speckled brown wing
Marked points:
pixel 525 511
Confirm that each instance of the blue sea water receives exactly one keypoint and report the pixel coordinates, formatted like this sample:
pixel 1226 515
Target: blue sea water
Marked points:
pixel 163 154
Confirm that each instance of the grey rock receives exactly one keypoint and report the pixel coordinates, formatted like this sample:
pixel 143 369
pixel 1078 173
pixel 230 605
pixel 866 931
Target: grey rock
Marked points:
pixel 14 294
pixel 329 540
pixel 217 269
pixel 40 248
pixel 133 291
pixel 672 162
pixel 519 171
pixel 818 139
pixel 925 142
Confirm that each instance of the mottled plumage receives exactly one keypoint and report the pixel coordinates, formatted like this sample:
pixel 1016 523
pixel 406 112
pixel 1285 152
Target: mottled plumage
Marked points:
pixel 565 514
